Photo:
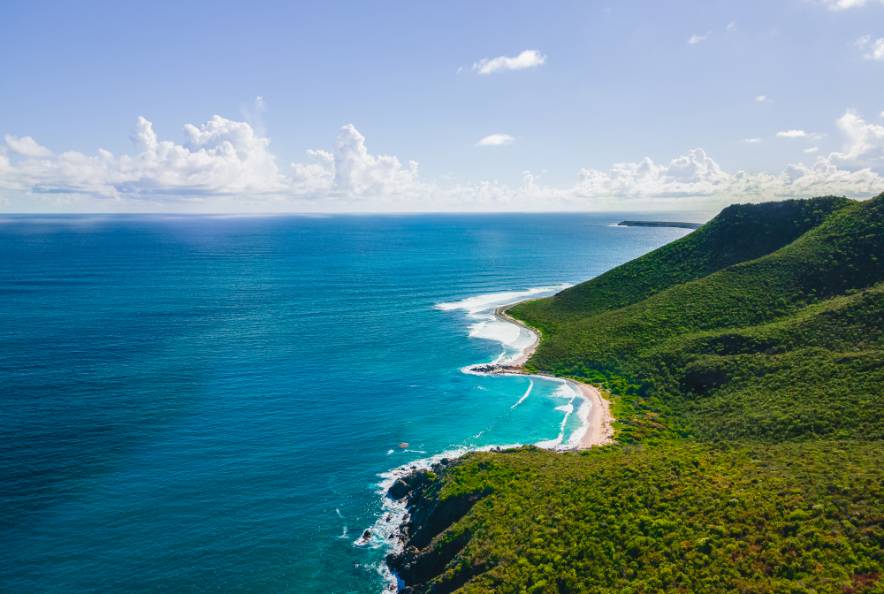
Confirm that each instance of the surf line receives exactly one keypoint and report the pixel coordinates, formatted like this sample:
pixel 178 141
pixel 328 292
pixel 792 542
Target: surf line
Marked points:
pixel 489 322
pixel 525 395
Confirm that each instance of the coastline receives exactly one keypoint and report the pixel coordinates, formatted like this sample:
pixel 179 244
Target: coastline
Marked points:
pixel 392 529
pixel 598 426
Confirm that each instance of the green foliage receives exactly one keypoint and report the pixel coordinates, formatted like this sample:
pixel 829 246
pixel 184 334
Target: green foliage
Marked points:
pixel 745 363
pixel 677 517
pixel 716 335
pixel 737 234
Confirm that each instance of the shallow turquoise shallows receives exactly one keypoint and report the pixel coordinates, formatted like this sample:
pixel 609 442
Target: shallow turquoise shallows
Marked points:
pixel 207 403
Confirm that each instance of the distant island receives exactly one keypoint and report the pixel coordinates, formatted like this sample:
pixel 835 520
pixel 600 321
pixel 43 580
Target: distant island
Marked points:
pixel 744 364
pixel 659 224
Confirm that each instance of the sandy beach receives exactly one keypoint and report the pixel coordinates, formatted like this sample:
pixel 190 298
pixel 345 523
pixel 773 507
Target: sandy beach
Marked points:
pixel 599 424
pixel 599 429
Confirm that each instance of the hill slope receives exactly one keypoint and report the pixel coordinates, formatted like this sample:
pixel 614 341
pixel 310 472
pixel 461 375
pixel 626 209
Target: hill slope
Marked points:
pixel 746 367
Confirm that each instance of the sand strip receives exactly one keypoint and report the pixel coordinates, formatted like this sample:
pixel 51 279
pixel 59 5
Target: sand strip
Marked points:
pixel 600 429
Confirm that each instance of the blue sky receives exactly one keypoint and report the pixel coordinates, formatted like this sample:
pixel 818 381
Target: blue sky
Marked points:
pixel 611 106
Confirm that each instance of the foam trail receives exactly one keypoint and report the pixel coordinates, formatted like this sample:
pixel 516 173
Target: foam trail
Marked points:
pixel 583 414
pixel 481 310
pixel 565 390
pixel 386 531
pixel 516 341
pixel 524 396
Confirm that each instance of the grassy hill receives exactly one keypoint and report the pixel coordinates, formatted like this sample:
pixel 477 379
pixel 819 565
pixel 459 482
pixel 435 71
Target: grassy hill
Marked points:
pixel 745 364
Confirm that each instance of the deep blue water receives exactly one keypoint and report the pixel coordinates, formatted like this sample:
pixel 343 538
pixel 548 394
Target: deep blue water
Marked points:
pixel 206 403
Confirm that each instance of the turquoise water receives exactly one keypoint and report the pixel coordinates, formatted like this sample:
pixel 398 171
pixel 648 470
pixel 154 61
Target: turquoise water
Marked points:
pixel 208 403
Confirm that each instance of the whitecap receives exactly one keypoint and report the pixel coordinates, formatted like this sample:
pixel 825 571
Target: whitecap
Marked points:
pixel 488 326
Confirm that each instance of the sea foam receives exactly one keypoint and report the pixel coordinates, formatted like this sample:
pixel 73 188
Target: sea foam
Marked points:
pixel 486 325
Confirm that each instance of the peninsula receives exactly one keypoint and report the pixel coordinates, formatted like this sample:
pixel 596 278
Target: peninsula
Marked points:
pixel 659 224
pixel 745 364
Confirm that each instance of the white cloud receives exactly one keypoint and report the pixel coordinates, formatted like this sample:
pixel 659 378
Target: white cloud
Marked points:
pixel 692 174
pixel 352 171
pixel 218 157
pixel 792 134
pixel 811 150
pixel 731 26
pixel 837 5
pixel 223 162
pixel 695 38
pixel 856 171
pixel 864 142
pixel 752 140
pixel 526 59
pixel 873 49
pixel 359 172
pixel 761 99
pixel 696 175
pixel 496 140
pixel 26 146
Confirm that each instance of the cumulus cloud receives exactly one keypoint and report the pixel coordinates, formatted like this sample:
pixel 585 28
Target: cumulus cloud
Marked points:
pixel 351 170
pixel 863 142
pixel 26 146
pixel 358 171
pixel 872 49
pixel 526 59
pixel 856 170
pixel 218 157
pixel 496 140
pixel 695 38
pixel 811 150
pixel 691 174
pixel 696 175
pixel 761 99
pixel 228 160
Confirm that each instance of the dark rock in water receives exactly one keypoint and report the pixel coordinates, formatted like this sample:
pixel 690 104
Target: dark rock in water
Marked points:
pixel 399 489
pixel 366 535
pixel 422 560
pixel 660 224
pixel 496 369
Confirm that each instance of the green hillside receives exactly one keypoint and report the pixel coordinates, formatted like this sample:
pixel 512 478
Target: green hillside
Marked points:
pixel 745 364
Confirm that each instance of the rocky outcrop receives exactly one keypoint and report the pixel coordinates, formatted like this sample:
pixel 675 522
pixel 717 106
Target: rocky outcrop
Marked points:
pixel 426 551
pixel 496 369
pixel 659 224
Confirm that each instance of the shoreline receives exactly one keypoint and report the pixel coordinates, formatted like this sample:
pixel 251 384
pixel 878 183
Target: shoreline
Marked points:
pixel 598 426
pixel 596 429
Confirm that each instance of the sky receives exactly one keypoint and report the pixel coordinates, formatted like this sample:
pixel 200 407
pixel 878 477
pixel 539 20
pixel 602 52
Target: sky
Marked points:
pixel 437 106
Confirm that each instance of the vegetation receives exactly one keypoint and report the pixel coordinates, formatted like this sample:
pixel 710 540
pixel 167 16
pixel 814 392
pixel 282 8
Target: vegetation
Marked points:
pixel 746 367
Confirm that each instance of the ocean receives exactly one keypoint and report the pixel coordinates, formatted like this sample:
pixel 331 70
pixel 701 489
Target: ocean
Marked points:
pixel 208 403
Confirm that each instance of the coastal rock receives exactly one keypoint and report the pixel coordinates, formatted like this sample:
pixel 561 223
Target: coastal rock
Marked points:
pixel 399 489
pixel 423 557
pixel 495 369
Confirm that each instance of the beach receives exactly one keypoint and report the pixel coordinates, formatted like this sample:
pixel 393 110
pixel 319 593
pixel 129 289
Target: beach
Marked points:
pixel 598 426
